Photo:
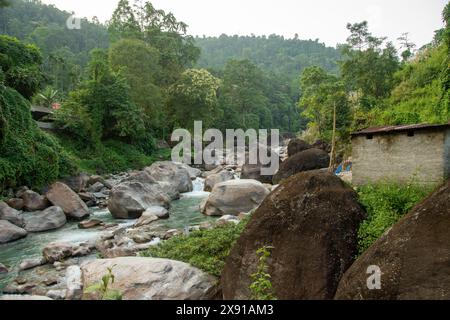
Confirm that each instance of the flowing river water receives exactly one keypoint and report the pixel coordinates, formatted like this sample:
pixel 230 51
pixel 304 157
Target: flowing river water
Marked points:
pixel 183 212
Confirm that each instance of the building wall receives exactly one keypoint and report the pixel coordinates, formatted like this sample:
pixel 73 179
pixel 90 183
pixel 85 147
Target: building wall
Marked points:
pixel 397 157
pixel 447 155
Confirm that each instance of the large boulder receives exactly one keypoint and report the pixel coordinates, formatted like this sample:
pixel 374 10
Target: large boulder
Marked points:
pixel 77 183
pixel 193 172
pixel 311 221
pixel 310 159
pixel 233 197
pixel 10 232
pixel 62 196
pixel 412 258
pixel 49 219
pixel 253 171
pixel 15 203
pixel 129 199
pixel 57 251
pixel 215 178
pixel 33 201
pixel 138 278
pixel 173 173
pixel 297 145
pixel 11 215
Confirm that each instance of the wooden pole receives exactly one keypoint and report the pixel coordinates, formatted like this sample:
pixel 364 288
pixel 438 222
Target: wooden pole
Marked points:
pixel 333 141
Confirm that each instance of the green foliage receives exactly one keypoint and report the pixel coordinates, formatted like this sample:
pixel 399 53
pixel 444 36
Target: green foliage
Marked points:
pixel 102 288
pixel 110 156
pixel 261 286
pixel 138 62
pixel 159 30
pixel 65 52
pixel 194 97
pixel 367 69
pixel 28 156
pixel 101 108
pixel 320 93
pixel 21 65
pixel 385 204
pixel 280 61
pixel 206 249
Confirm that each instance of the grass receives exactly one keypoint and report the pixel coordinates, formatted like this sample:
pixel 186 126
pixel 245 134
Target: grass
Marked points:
pixel 385 204
pixel 205 249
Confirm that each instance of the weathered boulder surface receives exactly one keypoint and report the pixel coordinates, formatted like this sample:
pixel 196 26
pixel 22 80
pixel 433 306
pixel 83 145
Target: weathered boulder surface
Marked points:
pixel 77 183
pixel 253 171
pixel 10 232
pixel 11 215
pixel 57 251
pixel 140 278
pixel 297 145
pixel 173 173
pixel 193 172
pixel 15 203
pixel 311 221
pixel 413 256
pixel 33 201
pixel 215 178
pixel 48 219
pixel 129 199
pixel 233 197
pixel 62 196
pixel 310 159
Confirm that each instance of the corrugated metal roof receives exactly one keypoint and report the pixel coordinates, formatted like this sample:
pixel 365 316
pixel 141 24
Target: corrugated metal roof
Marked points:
pixel 389 129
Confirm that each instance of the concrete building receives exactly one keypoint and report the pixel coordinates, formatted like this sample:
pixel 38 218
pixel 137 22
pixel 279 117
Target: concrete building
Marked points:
pixel 401 153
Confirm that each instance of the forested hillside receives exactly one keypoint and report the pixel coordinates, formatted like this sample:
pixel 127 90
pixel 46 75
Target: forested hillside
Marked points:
pixel 124 85
pixel 65 51
pixel 288 57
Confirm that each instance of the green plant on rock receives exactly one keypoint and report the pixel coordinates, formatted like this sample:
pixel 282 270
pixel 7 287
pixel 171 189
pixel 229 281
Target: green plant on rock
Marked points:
pixel 102 289
pixel 261 287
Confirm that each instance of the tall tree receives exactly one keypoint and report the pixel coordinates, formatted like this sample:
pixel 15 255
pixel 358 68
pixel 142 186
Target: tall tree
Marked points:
pixel 242 95
pixel 139 64
pixel 194 97
pixel 367 68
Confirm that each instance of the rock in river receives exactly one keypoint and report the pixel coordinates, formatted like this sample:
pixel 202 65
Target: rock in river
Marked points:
pixel 130 199
pixel 10 232
pixel 10 214
pixel 233 197
pixel 65 198
pixel 49 219
pixel 215 178
pixel 33 201
pixel 139 278
pixel 173 173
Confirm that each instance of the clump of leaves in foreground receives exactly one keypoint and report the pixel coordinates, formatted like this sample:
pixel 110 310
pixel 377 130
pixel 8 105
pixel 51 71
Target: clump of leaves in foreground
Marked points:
pixel 102 287
pixel 205 249
pixel 261 287
pixel 385 204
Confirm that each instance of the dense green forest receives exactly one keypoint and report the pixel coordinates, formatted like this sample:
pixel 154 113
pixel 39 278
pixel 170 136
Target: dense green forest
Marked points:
pixel 273 54
pixel 128 83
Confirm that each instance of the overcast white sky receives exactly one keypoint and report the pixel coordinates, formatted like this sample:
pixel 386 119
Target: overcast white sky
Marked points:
pixel 311 19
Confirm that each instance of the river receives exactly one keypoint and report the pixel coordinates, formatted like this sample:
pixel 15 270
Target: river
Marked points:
pixel 183 212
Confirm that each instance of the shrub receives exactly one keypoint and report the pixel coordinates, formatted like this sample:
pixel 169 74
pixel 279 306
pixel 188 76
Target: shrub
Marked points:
pixel 205 249
pixel 385 204
pixel 28 155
